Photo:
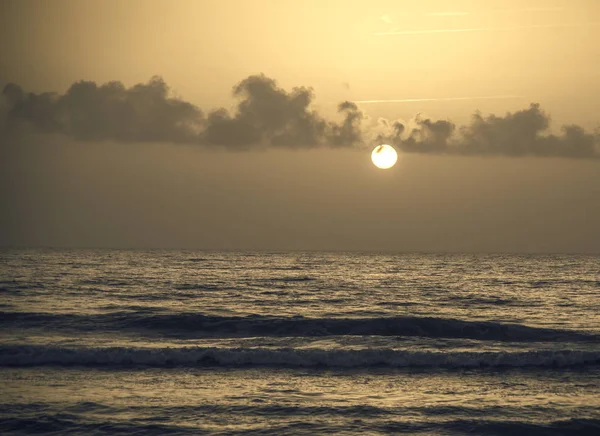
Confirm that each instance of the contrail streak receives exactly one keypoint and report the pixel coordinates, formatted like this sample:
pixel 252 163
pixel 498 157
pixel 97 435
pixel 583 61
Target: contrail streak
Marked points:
pixel 460 13
pixel 412 100
pixel 482 29
pixel 447 14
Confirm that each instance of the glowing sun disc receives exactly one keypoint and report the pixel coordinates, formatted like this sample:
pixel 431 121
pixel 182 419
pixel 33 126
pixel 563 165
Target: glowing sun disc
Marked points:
pixel 384 156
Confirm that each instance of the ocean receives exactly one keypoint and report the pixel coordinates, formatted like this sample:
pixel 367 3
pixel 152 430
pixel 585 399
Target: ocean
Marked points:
pixel 102 342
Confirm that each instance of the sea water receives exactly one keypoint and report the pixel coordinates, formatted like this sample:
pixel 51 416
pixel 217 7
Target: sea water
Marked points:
pixel 193 342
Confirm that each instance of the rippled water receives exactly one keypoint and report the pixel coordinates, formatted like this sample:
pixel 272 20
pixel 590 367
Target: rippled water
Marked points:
pixel 110 342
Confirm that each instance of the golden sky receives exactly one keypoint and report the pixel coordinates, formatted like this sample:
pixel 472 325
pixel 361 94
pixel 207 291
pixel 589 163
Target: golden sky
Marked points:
pixel 441 59
pixel 542 51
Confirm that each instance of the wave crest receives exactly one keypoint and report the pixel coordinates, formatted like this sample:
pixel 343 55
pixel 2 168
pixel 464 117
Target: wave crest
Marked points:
pixel 198 325
pixel 31 355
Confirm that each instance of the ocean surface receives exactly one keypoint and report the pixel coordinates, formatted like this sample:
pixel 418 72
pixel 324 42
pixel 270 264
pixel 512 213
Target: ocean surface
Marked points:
pixel 109 342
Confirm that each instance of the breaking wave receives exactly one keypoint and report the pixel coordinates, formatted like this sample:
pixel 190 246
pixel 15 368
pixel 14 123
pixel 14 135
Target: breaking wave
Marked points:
pixel 197 325
pixel 32 355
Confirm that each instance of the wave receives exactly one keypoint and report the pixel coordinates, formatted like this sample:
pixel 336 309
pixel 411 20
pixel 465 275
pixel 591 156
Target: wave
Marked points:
pixel 61 423
pixel 44 423
pixel 197 287
pixel 289 279
pixel 198 325
pixel 34 355
pixel 260 408
pixel 199 259
pixel 275 409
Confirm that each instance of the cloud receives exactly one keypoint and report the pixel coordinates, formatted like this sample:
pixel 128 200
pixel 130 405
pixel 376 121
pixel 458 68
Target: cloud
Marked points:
pixel 269 116
pixel 89 112
pixel 516 134
pixel 265 115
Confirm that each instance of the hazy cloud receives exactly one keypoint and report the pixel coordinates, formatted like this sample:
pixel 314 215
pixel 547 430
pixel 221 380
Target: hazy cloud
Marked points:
pixel 265 115
pixel 269 116
pixel 144 112
pixel 516 134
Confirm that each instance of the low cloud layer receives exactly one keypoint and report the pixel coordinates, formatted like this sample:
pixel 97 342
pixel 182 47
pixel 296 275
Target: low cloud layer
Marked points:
pixel 269 116
pixel 522 133
pixel 266 115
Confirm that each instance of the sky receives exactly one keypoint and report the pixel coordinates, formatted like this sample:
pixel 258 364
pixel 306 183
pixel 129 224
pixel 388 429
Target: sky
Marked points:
pixel 249 125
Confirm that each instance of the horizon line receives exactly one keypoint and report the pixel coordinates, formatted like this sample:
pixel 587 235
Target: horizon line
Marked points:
pixel 296 250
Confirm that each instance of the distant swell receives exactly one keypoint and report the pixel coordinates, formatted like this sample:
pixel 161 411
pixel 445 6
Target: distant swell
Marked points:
pixel 197 325
pixel 29 355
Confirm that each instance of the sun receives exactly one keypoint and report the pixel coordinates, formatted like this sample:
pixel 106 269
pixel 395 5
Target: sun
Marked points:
pixel 384 156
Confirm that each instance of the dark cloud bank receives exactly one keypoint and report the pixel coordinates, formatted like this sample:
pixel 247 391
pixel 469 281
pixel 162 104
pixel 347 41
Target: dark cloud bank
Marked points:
pixel 268 116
